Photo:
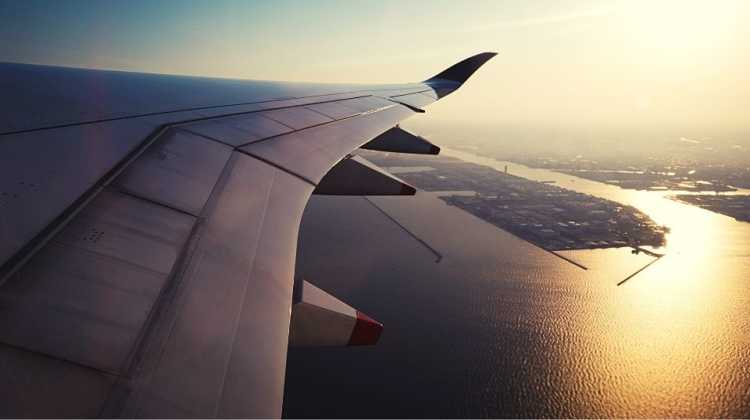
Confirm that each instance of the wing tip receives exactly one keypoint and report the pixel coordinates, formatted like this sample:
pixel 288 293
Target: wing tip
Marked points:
pixel 461 71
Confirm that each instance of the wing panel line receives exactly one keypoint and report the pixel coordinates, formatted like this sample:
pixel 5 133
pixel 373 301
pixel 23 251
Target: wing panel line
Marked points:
pixel 290 98
pixel 21 256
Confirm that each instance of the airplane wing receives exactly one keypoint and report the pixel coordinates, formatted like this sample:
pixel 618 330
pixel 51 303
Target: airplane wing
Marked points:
pixel 148 231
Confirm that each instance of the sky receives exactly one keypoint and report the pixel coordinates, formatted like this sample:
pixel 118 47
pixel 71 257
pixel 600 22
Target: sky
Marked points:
pixel 584 65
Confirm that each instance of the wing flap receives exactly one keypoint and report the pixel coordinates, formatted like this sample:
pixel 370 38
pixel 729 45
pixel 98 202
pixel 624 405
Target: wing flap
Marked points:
pixel 257 126
pixel 335 110
pixel 76 300
pixel 368 104
pixel 67 390
pixel 297 117
pixel 312 152
pixel 220 131
pixel 44 172
pixel 417 100
pixel 179 170
pixel 231 329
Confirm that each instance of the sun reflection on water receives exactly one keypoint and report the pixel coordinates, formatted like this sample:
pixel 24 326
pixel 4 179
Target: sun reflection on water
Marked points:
pixel 675 321
pixel 673 340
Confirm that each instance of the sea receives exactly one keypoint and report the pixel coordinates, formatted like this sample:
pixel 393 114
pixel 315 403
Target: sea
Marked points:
pixel 482 324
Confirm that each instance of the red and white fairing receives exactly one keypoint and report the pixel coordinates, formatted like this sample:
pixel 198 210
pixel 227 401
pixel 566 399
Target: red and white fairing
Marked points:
pixel 319 319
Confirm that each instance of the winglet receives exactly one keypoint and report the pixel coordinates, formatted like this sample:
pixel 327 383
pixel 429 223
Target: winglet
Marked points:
pixel 461 71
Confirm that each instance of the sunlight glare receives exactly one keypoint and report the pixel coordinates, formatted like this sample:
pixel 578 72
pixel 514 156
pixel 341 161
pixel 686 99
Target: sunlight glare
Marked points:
pixel 676 27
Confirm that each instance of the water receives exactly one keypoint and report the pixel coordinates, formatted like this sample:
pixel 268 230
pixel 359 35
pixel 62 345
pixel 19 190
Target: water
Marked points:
pixel 500 328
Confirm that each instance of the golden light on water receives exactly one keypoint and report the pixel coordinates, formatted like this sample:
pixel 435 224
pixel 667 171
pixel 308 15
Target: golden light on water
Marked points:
pixel 672 333
pixel 671 341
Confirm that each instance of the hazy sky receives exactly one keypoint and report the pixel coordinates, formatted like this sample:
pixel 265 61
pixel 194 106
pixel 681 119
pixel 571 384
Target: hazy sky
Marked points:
pixel 581 64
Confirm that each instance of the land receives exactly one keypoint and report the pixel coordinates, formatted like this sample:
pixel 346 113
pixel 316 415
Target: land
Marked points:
pixel 737 206
pixel 654 175
pixel 681 164
pixel 629 159
pixel 546 215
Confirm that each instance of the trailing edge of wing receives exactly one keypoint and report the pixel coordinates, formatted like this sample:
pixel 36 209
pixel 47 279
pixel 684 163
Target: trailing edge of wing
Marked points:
pixel 357 176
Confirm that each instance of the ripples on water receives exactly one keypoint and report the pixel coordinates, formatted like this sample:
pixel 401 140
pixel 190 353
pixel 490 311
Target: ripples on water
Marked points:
pixel 502 329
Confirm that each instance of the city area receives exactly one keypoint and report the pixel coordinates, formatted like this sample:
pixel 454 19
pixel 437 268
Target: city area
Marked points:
pixel 548 216
pixel 700 170
pixel 678 164
pixel 737 206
